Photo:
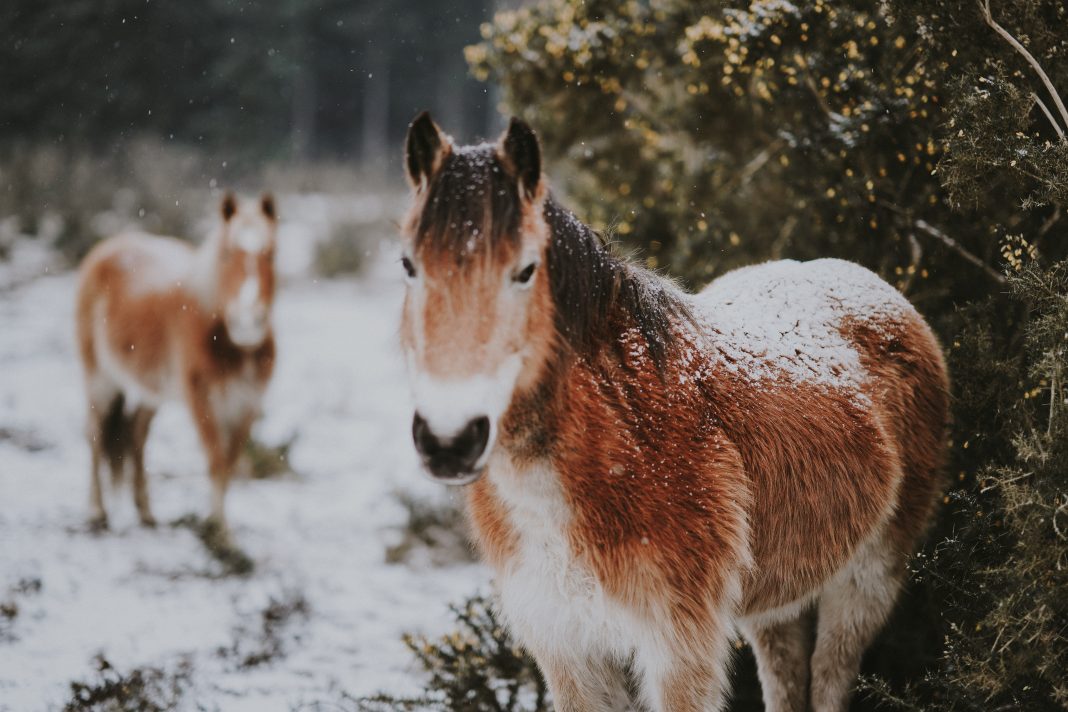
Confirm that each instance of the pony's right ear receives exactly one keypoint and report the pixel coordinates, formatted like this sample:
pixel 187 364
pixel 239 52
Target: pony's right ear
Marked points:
pixel 228 207
pixel 425 149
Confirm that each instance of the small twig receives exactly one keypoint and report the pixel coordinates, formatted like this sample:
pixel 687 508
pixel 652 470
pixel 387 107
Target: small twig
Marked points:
pixel 985 8
pixel 996 484
pixel 915 256
pixel 1046 111
pixel 753 166
pixel 952 244
pixel 1056 513
pixel 1050 222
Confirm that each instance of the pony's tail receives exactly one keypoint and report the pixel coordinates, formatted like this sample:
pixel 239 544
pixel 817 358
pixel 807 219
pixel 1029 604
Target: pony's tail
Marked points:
pixel 115 437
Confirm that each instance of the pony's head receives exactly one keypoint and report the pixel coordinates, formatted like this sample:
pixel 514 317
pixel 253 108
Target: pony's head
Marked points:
pixel 245 269
pixel 478 318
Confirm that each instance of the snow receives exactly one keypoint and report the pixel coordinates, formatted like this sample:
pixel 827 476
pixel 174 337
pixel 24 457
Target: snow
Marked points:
pixel 784 318
pixel 141 597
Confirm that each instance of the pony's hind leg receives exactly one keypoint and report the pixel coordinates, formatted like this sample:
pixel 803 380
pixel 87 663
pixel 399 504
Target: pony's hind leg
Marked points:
pixel 782 649
pixel 852 609
pixel 98 516
pixel 104 432
pixel 141 420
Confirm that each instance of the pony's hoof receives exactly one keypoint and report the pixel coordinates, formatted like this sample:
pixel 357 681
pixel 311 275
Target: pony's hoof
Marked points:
pixel 148 521
pixel 98 523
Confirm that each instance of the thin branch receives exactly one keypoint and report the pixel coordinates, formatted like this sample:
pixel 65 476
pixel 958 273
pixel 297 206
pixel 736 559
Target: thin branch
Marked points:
pixel 985 8
pixel 1050 222
pixel 754 165
pixel 952 244
pixel 1046 111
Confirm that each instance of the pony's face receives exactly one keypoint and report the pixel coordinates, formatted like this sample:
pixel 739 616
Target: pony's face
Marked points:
pixel 477 320
pixel 246 269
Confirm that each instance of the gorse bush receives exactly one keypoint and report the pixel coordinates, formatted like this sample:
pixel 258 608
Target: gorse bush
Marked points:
pixel 923 139
pixel 477 668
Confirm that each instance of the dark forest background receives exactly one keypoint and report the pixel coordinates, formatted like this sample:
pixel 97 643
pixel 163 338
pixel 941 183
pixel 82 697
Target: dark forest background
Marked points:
pixel 288 79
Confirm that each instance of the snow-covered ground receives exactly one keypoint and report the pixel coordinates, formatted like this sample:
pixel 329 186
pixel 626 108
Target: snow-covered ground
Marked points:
pixel 146 597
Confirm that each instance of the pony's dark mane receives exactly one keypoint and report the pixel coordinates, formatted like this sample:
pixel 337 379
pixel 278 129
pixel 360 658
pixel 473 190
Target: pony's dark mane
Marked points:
pixel 595 290
pixel 472 203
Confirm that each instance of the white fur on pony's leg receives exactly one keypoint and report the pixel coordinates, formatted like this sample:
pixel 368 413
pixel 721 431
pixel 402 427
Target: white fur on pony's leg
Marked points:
pixel 583 685
pixel 852 609
pixel 98 517
pixel 218 499
pixel 782 650
pixel 690 678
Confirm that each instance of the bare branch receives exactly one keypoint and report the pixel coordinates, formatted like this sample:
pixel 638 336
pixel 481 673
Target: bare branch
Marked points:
pixel 984 6
pixel 1046 111
pixel 952 244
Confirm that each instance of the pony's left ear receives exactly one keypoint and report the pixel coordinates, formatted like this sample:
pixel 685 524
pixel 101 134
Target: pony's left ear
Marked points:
pixel 425 149
pixel 521 153
pixel 267 206
pixel 228 207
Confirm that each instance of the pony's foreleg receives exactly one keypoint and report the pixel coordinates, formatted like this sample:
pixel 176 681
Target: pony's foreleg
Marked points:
pixel 216 446
pixel 688 673
pixel 142 419
pixel 782 650
pixel 578 684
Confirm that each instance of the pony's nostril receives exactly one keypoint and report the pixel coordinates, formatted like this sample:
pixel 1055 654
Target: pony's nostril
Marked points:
pixel 425 441
pixel 471 442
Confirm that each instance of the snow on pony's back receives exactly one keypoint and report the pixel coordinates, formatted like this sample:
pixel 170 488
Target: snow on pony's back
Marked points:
pixel 786 318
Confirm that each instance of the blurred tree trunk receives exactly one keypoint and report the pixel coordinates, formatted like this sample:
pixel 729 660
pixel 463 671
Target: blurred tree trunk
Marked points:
pixel 449 102
pixel 374 139
pixel 302 130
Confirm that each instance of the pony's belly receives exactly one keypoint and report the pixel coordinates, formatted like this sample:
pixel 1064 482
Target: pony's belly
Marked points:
pixel 137 362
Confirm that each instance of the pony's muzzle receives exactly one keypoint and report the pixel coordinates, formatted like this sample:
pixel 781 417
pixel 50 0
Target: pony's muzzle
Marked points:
pixel 455 459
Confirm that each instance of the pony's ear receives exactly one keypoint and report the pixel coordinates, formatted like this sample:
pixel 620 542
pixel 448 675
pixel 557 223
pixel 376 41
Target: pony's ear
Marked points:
pixel 521 153
pixel 425 149
pixel 267 206
pixel 228 207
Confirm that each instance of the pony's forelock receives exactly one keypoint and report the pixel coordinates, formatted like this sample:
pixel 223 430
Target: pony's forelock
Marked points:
pixel 472 205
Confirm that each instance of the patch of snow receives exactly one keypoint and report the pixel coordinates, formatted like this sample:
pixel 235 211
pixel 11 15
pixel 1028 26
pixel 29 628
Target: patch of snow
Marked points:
pixel 139 597
pixel 784 318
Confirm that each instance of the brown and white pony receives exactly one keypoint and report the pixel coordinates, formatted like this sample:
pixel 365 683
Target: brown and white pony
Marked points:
pixel 159 320
pixel 649 470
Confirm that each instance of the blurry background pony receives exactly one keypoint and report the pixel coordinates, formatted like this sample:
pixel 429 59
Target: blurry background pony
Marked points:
pixel 158 320
pixel 650 470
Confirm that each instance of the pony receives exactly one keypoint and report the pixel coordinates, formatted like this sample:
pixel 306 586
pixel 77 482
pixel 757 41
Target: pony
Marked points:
pixel 159 320
pixel 649 471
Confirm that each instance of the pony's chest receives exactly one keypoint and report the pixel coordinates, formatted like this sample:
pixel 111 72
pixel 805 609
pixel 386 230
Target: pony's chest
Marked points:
pixel 552 599
pixel 238 397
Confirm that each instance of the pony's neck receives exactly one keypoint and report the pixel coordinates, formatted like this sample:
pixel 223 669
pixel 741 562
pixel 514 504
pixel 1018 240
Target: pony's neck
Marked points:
pixel 598 296
pixel 608 313
pixel 204 282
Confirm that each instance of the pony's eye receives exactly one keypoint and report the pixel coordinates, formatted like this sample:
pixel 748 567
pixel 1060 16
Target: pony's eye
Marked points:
pixel 524 276
pixel 409 268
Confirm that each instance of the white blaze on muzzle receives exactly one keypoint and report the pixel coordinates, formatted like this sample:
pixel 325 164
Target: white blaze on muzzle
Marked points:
pixel 449 404
pixel 246 314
